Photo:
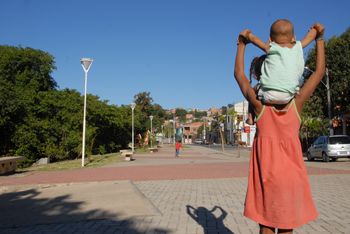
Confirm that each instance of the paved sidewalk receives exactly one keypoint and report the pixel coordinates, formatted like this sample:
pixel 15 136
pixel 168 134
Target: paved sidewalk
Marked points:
pixel 202 192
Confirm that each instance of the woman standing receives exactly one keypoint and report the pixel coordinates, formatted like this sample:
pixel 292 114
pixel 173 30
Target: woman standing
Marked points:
pixel 278 194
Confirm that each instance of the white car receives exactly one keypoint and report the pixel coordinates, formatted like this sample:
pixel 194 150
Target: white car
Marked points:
pixel 329 147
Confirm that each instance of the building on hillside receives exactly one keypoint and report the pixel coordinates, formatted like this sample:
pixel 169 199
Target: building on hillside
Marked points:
pixel 237 131
pixel 199 110
pixel 190 132
pixel 189 118
pixel 213 111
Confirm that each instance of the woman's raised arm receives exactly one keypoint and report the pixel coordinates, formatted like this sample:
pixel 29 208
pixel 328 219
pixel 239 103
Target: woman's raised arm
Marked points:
pixel 316 77
pixel 242 80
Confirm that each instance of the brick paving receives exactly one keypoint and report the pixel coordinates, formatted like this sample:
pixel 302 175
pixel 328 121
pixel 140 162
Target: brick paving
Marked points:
pixel 201 193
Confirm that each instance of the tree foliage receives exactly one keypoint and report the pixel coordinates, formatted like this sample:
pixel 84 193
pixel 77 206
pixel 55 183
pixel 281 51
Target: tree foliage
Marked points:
pixel 181 113
pixel 38 120
pixel 338 64
pixel 144 102
pixel 24 72
pixel 199 114
pixel 145 108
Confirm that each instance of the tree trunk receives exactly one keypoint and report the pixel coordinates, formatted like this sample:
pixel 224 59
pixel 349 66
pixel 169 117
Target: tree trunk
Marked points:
pixel 222 141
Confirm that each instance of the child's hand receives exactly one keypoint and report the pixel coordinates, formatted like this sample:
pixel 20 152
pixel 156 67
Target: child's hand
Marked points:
pixel 312 32
pixel 319 30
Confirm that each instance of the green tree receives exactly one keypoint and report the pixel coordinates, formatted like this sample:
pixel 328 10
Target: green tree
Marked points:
pixel 37 120
pixel 312 128
pixel 11 112
pixel 199 114
pixel 144 102
pixel 338 64
pixel 52 127
pixel 232 112
pixel 23 73
pixel 144 108
pixel 181 113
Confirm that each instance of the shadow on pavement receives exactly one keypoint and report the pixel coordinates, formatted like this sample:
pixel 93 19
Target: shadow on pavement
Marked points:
pixel 57 215
pixel 208 220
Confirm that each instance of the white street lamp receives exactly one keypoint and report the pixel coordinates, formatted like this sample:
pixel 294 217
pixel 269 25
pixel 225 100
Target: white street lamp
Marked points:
pixel 174 125
pixel 85 63
pixel 162 133
pixel 209 124
pixel 132 105
pixel 330 127
pixel 151 118
pixel 182 133
pixel 204 132
pixel 171 135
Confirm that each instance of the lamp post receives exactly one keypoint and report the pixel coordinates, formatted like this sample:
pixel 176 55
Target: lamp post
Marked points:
pixel 162 133
pixel 182 133
pixel 221 130
pixel 204 132
pixel 85 63
pixel 132 105
pixel 171 135
pixel 174 125
pixel 151 118
pixel 209 124
pixel 330 128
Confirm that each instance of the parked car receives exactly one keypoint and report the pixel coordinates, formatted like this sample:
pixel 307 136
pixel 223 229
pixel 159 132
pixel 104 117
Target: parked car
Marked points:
pixel 329 147
pixel 198 141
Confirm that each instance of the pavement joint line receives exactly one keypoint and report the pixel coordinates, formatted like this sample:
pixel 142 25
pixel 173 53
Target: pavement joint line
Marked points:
pixel 147 201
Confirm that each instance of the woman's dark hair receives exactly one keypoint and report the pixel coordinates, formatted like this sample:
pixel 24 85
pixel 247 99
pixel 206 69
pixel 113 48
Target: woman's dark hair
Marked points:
pixel 255 68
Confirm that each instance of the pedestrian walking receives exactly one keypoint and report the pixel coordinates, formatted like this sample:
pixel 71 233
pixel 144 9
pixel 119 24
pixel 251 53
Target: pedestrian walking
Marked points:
pixel 178 146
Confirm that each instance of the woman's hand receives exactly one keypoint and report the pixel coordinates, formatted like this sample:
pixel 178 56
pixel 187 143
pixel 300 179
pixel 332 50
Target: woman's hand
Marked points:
pixel 316 77
pixel 244 37
pixel 319 30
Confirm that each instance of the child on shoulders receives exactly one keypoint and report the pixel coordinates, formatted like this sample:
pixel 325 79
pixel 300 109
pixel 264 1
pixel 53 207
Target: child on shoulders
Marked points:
pixel 282 69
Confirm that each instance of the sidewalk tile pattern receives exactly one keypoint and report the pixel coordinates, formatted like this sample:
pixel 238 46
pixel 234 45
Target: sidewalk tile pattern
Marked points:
pixel 190 204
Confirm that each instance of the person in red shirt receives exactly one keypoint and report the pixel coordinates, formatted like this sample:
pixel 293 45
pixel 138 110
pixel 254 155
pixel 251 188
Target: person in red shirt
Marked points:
pixel 178 146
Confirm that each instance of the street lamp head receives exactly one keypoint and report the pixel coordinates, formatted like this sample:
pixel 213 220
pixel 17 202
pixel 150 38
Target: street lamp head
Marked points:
pixel 133 105
pixel 86 63
pixel 151 117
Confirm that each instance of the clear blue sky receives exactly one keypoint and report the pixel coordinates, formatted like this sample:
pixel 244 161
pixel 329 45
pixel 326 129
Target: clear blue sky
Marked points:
pixel 182 51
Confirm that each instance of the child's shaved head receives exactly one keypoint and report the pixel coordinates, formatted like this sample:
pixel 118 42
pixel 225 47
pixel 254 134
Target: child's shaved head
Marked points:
pixel 282 31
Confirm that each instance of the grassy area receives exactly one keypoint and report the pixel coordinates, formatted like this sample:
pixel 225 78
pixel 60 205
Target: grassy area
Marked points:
pixel 143 150
pixel 92 161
